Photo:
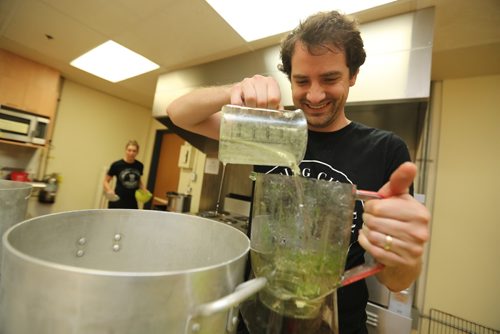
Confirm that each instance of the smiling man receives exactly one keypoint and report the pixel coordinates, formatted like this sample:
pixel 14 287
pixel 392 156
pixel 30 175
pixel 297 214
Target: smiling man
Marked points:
pixel 322 57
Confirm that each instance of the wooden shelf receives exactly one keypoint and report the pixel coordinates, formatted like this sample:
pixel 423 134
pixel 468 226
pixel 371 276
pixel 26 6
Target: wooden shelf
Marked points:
pixel 9 142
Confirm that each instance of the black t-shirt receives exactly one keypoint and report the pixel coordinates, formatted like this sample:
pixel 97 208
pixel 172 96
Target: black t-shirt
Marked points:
pixel 128 176
pixel 359 155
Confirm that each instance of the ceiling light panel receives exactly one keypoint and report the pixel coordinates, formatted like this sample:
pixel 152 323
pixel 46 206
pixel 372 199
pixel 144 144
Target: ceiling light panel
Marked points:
pixel 113 62
pixel 257 19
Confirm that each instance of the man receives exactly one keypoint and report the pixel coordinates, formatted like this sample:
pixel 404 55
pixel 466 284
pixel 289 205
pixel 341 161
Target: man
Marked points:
pixel 321 57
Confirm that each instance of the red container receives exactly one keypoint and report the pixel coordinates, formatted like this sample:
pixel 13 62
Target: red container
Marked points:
pixel 19 176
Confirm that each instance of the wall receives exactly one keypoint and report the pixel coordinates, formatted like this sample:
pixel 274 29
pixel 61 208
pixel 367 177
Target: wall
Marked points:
pixel 405 42
pixel 463 271
pixel 91 131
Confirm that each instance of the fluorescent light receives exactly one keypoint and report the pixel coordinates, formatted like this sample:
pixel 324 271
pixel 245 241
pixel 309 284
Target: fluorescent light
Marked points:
pixel 256 19
pixel 113 62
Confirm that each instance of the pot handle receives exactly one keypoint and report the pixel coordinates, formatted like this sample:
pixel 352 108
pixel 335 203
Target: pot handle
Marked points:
pixel 29 195
pixel 242 292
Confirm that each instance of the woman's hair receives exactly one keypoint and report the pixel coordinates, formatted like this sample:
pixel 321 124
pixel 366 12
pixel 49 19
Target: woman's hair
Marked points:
pixel 132 143
pixel 322 31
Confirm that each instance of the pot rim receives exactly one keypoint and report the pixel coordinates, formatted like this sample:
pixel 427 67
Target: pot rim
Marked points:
pixel 127 274
pixel 14 185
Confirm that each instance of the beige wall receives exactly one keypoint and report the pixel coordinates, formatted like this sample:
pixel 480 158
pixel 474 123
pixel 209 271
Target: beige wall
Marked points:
pixel 91 131
pixel 463 266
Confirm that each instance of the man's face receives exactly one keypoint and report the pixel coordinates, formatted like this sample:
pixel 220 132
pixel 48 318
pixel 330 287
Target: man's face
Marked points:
pixel 320 85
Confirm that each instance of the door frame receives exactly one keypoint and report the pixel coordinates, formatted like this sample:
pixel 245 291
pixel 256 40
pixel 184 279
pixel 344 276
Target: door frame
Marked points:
pixel 155 159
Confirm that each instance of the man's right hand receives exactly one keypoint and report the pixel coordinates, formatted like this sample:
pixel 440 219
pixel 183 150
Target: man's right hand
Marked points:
pixel 257 92
pixel 199 110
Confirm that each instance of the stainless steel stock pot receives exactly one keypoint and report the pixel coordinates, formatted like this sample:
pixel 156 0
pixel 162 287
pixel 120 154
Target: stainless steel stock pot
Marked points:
pixel 14 197
pixel 122 271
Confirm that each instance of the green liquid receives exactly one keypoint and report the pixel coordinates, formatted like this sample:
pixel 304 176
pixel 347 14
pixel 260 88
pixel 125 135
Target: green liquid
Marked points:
pixel 254 153
pixel 297 280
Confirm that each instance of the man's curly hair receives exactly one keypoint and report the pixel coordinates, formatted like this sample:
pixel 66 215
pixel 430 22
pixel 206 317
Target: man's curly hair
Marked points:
pixel 325 30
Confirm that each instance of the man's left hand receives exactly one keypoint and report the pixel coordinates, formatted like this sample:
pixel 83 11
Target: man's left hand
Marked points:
pixel 396 229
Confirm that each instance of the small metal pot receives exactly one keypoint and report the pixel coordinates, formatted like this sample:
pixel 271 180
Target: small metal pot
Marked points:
pixel 123 271
pixel 177 202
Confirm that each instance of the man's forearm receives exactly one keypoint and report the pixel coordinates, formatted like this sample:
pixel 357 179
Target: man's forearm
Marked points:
pixel 196 110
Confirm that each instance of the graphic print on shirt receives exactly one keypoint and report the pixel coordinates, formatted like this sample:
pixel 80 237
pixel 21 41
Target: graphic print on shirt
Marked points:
pixel 321 171
pixel 129 178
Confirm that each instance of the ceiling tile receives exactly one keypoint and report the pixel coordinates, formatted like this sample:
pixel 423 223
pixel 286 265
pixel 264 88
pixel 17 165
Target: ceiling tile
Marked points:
pixel 33 20
pixel 105 17
pixel 185 32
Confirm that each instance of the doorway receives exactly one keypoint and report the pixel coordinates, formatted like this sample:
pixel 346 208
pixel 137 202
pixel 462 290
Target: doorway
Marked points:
pixel 165 172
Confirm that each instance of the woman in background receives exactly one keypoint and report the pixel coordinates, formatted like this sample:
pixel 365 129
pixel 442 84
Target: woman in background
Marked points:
pixel 128 173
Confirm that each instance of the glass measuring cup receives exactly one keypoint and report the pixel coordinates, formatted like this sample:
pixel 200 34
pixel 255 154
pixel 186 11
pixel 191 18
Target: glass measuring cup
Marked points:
pixel 256 136
pixel 300 237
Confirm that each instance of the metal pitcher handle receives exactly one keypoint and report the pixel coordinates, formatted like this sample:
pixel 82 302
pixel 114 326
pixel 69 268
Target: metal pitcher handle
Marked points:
pixel 230 302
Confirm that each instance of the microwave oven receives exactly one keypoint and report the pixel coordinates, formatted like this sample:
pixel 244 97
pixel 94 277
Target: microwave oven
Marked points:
pixel 22 126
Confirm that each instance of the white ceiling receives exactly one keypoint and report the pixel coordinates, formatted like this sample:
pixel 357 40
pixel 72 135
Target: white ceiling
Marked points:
pixel 178 33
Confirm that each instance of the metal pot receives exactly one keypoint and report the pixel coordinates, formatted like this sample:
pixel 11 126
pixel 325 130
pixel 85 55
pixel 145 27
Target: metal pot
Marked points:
pixel 177 202
pixel 14 198
pixel 122 271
